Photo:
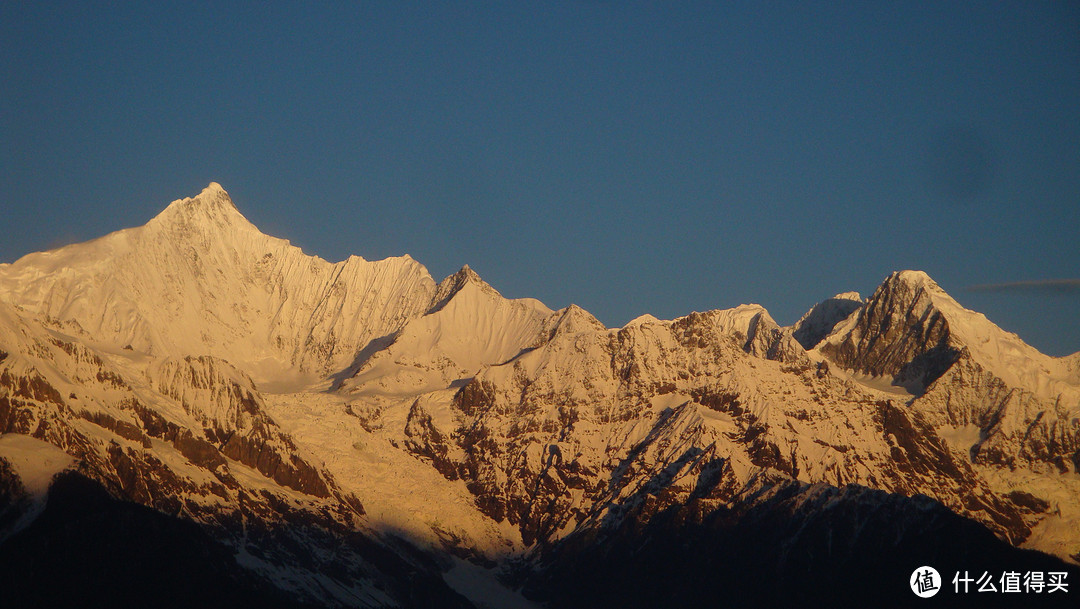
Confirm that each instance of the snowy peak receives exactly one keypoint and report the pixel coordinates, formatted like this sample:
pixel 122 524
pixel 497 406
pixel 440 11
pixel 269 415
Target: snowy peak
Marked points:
pixel 740 319
pixel 211 209
pixel 910 329
pixel 186 363
pixel 573 320
pixel 451 286
pixel 643 319
pixel 199 279
pixel 819 321
pixel 467 273
pixel 749 325
pixel 469 326
pixel 741 322
pixel 913 278
pixel 900 332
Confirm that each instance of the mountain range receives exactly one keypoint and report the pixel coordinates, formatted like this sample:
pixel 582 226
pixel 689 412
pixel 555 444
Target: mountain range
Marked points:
pixel 201 414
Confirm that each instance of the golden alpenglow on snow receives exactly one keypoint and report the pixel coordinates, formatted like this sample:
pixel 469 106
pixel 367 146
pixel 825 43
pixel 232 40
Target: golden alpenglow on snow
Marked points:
pixel 193 400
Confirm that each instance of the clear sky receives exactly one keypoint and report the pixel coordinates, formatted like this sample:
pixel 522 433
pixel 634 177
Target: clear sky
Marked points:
pixel 629 157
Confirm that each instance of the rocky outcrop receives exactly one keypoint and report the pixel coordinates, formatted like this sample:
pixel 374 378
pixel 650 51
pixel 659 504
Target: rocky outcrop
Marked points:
pixel 898 333
pixel 540 440
pixel 596 424
pixel 211 390
pixel 179 440
pixel 1016 428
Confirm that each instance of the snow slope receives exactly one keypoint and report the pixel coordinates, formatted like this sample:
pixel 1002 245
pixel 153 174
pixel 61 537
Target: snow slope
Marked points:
pixel 200 279
pixel 819 321
pixel 923 317
pixel 202 368
pixel 469 325
pixel 35 463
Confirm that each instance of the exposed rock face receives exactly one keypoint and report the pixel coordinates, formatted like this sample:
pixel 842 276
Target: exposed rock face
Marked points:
pixel 182 455
pixel 211 390
pixel 575 431
pixel 358 435
pixel 898 333
pixel 224 400
pixel 1016 428
pixel 1024 404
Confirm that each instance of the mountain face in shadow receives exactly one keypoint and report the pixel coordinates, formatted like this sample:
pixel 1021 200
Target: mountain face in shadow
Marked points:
pixel 199 414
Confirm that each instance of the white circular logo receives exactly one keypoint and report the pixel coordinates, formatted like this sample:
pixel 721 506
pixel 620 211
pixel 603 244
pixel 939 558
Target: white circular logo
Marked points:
pixel 925 582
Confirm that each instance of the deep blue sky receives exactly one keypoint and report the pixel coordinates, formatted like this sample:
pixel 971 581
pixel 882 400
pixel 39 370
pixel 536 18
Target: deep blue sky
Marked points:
pixel 628 157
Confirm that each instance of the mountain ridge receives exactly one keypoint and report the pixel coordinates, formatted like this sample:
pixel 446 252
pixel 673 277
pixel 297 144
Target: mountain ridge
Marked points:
pixel 206 370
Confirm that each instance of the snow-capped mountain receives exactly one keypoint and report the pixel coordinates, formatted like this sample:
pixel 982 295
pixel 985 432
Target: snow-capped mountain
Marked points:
pixel 200 279
pixel 358 434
